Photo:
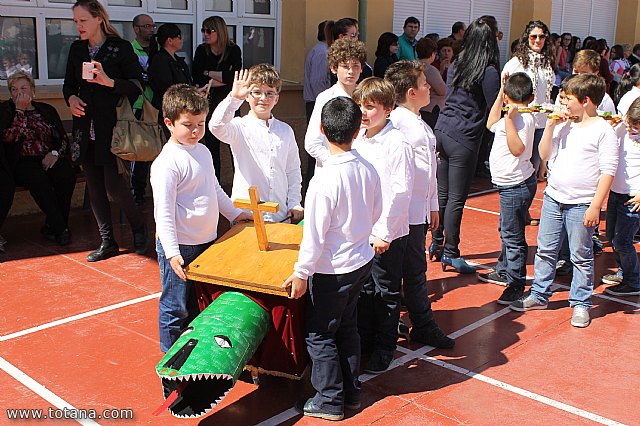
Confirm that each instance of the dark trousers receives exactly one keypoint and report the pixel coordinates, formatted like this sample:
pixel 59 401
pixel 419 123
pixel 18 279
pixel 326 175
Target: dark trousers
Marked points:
pixel 514 204
pixel 622 226
pixel 7 189
pixel 456 167
pixel 103 180
pixel 51 189
pixel 139 176
pixel 311 162
pixel 332 338
pixel 414 280
pixel 379 304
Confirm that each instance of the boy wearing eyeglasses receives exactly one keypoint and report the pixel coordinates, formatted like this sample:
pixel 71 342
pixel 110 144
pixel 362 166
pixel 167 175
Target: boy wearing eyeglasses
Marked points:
pixel 265 152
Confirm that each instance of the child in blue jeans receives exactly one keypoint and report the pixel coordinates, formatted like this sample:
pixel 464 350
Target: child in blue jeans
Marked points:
pixel 585 150
pixel 623 208
pixel 514 175
pixel 187 200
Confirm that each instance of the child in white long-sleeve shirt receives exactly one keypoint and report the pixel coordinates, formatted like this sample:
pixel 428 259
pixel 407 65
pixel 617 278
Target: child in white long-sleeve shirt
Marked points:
pixel 413 93
pixel 346 59
pixel 187 200
pixel 265 153
pixel 386 148
pixel 342 204
pixel 586 154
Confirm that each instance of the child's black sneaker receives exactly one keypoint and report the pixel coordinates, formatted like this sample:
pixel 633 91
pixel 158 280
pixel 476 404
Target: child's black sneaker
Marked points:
pixel 308 408
pixel 492 277
pixel 432 337
pixel 510 295
pixel 378 363
pixel 622 289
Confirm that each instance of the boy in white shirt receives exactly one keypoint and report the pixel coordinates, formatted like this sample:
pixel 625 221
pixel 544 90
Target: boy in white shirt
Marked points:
pixel 623 208
pixel 514 176
pixel 586 153
pixel 346 59
pixel 265 152
pixel 413 93
pixel 386 148
pixel 342 204
pixel 588 61
pixel 187 200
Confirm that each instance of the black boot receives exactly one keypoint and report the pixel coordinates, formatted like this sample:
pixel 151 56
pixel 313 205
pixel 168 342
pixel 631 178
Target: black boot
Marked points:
pixel 141 240
pixel 107 249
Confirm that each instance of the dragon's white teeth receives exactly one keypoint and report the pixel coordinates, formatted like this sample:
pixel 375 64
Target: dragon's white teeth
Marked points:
pixel 200 376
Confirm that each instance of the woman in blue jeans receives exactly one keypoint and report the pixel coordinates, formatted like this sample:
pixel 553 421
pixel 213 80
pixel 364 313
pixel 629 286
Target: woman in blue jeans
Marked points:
pixel 473 83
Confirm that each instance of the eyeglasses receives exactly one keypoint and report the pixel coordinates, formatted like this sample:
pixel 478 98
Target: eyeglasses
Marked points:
pixel 256 94
pixel 207 31
pixel 147 26
pixel 537 36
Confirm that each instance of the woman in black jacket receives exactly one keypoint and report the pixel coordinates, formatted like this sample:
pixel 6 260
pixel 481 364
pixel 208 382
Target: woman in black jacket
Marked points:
pixel 473 83
pixel 167 68
pixel 385 53
pixel 93 106
pixel 216 60
pixel 36 147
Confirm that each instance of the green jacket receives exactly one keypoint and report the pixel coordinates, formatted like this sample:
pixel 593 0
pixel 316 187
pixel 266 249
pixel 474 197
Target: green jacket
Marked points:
pixel 405 48
pixel 143 58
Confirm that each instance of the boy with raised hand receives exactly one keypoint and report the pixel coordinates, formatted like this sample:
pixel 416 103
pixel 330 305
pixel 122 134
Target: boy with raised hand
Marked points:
pixel 342 204
pixel 265 152
pixel 386 148
pixel 187 200
pixel 346 59
pixel 586 153
pixel 412 93
pixel 514 176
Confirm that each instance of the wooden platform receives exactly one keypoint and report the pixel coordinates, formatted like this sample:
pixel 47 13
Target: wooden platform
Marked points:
pixel 235 261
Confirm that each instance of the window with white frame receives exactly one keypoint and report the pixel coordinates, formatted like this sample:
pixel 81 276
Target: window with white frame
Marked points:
pixel 584 18
pixel 438 17
pixel 38 33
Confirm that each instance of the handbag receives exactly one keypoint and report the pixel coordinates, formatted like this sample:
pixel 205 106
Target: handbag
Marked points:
pixel 133 139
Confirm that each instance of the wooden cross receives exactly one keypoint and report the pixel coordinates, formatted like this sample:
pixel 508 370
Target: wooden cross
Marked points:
pixel 257 207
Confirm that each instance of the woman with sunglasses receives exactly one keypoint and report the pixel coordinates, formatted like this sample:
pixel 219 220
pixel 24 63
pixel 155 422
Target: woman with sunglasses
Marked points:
pixel 534 55
pixel 167 68
pixel 214 64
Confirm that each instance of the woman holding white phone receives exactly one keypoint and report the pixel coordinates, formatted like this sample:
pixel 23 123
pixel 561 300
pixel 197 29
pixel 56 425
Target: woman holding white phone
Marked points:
pixel 93 105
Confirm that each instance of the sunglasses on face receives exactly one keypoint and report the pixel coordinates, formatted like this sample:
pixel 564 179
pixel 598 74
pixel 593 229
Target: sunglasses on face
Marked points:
pixel 533 37
pixel 207 31
pixel 147 26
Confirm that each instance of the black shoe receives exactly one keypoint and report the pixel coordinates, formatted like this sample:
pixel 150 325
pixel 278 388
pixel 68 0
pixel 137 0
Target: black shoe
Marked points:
pixel 378 363
pixel 510 295
pixel 432 337
pixel 308 408
pixel 622 289
pixel 352 404
pixel 107 249
pixel 64 237
pixel 141 240
pixel 403 330
pixel 492 277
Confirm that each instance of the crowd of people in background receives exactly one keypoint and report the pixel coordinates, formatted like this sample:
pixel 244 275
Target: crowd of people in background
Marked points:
pixel 422 96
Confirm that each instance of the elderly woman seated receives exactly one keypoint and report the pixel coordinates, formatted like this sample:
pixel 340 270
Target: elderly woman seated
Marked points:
pixel 35 146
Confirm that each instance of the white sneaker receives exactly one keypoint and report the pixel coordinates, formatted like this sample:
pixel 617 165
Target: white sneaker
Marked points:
pixel 580 317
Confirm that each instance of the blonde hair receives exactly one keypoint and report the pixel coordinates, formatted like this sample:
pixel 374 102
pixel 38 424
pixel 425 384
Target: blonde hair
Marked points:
pixel 217 24
pixel 19 75
pixel 587 58
pixel 266 74
pixel 376 90
pixel 96 10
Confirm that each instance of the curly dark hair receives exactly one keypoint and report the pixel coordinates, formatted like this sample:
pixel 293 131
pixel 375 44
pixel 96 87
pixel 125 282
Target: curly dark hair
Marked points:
pixel 345 50
pixel 522 50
